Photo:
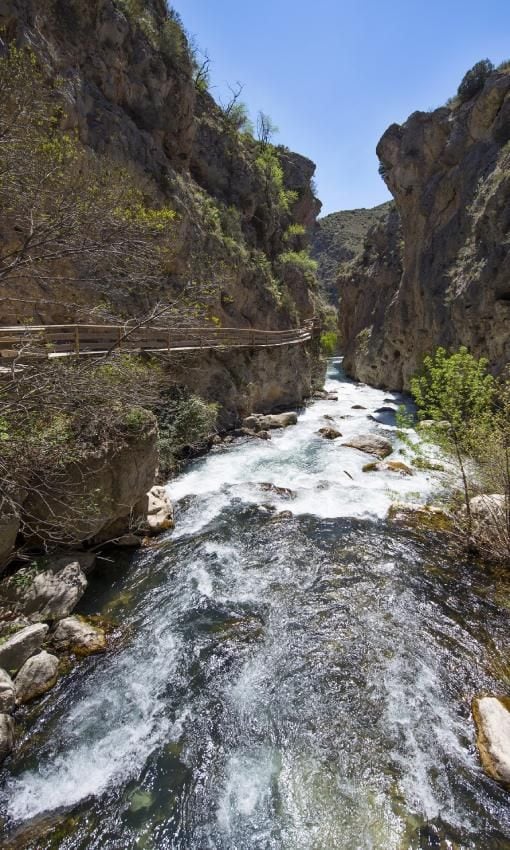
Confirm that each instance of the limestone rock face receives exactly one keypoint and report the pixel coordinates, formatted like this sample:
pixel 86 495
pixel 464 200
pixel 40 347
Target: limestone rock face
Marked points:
pixel 76 635
pixel 6 736
pixel 49 595
pixel 37 676
pixel 18 648
pixel 444 280
pixel 7 697
pixel 111 492
pixel 371 444
pixel 130 93
pixel 492 719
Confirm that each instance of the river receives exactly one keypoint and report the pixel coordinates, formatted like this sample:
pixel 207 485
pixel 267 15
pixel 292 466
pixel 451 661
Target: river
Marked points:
pixel 281 683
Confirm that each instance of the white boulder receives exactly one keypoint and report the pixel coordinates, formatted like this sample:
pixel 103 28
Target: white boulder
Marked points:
pixel 37 676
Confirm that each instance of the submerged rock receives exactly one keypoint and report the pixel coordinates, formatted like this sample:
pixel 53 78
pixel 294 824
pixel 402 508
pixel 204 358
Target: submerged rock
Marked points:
pixel 14 651
pixel 388 466
pixel 160 512
pixel 371 444
pixel 278 491
pixel 38 675
pixel 492 720
pixel 358 407
pixel 420 516
pixel 47 595
pixel 329 433
pixel 6 736
pixel 7 695
pixel 76 635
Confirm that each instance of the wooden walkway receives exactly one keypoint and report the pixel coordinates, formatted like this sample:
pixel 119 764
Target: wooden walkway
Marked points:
pixel 50 341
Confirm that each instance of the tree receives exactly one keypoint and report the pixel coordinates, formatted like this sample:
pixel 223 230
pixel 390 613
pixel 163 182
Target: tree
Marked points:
pixel 266 129
pixel 236 112
pixel 458 391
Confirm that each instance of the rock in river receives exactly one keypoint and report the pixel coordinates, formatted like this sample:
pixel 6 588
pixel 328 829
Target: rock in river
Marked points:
pixel 7 698
pixel 6 736
pixel 18 648
pixel 388 466
pixel 160 513
pixel 47 595
pixel 259 422
pixel 37 676
pixel 74 634
pixel 492 719
pixel 329 433
pixel 371 444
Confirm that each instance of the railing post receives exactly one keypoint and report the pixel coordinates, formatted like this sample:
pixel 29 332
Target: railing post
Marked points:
pixel 119 339
pixel 77 339
pixel 168 341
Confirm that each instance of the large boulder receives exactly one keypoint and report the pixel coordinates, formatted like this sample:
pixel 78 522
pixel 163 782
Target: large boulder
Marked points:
pixel 6 736
pixel 160 513
pixel 78 636
pixel 47 595
pixel 38 675
pixel 492 720
pixel 371 444
pixel 15 650
pixel 260 422
pixel 7 696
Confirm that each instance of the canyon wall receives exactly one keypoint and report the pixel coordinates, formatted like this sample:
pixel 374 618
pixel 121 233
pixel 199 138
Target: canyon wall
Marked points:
pixel 128 80
pixel 443 278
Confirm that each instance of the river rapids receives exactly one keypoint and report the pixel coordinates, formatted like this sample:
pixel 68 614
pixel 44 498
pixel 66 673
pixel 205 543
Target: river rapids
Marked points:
pixel 281 682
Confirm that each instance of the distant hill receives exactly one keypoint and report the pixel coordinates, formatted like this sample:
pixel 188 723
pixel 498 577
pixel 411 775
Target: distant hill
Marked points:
pixel 339 237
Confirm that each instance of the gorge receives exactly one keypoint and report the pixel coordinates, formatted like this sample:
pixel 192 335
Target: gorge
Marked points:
pixel 243 598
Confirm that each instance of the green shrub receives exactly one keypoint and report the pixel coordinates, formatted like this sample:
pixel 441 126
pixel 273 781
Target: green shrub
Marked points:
pixel 454 387
pixel 299 260
pixel 269 165
pixel 184 420
pixel 329 343
pixel 474 80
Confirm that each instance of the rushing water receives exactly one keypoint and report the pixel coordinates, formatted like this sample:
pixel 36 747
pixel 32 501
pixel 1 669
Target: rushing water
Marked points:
pixel 284 683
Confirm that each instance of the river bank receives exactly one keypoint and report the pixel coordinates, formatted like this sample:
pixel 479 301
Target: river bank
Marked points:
pixel 294 671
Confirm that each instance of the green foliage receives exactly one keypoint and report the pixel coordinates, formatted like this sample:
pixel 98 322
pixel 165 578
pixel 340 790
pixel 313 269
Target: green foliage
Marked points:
pixel 184 420
pixel 300 260
pixel 238 118
pixel 329 343
pixel 269 165
pixel 504 66
pixel 403 418
pixel 474 80
pixel 456 388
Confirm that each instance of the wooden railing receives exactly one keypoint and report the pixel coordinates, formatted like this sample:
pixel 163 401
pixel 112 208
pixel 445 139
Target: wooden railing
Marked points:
pixel 68 340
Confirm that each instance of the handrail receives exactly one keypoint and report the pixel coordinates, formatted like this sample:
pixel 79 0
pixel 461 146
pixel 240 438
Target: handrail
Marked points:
pixel 76 339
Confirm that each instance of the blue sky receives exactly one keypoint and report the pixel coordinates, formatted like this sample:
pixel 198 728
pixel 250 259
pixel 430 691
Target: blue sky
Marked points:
pixel 334 74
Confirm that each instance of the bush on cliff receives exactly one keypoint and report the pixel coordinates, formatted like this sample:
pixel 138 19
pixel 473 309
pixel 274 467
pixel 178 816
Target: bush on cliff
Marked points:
pixel 474 80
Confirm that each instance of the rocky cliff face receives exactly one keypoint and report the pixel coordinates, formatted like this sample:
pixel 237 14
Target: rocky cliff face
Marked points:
pixel 449 172
pixel 339 238
pixel 127 75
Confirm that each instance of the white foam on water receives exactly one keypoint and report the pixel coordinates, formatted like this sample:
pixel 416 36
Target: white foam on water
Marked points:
pixel 326 477
pixel 107 735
